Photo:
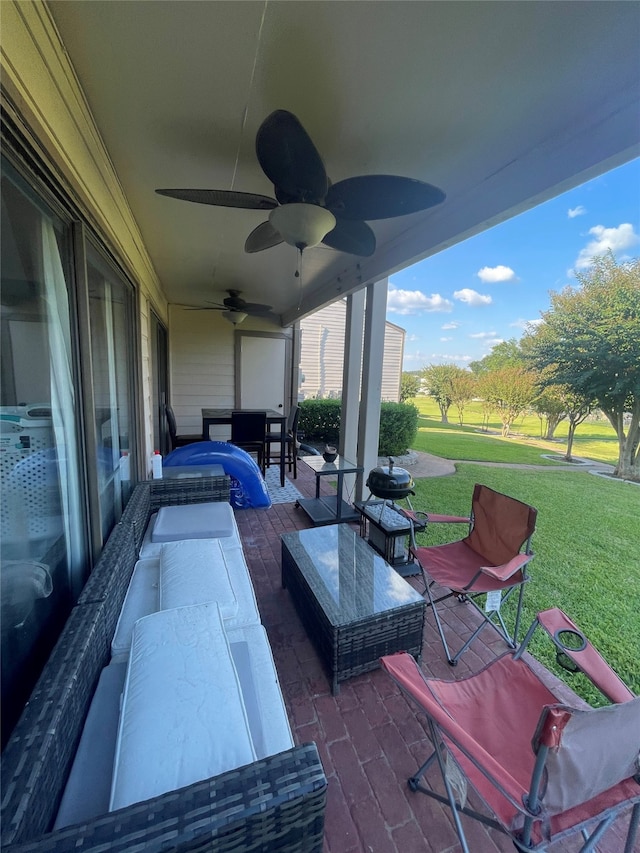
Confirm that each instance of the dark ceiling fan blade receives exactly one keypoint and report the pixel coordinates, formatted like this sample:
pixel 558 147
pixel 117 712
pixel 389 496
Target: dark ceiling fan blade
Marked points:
pixel 290 159
pixel 353 237
pixel 263 237
pixel 223 198
pixel 380 197
pixel 256 308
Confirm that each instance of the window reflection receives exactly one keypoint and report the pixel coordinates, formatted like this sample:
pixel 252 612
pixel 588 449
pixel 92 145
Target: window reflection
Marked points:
pixel 110 315
pixel 42 543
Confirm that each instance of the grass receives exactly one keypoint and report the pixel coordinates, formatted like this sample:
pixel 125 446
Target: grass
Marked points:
pixel 586 548
pixel 594 439
pixel 587 538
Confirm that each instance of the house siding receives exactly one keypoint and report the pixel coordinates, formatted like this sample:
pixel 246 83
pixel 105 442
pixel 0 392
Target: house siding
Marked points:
pixel 322 351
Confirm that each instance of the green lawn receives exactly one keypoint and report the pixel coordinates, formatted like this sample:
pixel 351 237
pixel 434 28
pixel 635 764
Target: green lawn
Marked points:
pixel 586 544
pixel 595 439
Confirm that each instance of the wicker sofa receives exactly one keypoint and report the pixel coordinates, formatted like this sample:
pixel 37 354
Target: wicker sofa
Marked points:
pixel 274 804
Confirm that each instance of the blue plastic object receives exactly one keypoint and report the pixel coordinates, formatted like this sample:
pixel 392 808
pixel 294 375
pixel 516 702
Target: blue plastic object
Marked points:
pixel 248 488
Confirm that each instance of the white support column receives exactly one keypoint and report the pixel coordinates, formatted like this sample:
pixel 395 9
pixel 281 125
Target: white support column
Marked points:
pixel 351 379
pixel 372 359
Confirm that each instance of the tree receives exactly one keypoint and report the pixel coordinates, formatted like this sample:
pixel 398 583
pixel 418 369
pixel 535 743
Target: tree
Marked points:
pixel 440 379
pixel 589 340
pixel 549 405
pixel 409 386
pixel 504 354
pixel 578 409
pixel 463 387
pixel 510 390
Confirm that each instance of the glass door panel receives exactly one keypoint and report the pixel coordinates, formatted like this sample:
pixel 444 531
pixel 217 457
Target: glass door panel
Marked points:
pixel 43 546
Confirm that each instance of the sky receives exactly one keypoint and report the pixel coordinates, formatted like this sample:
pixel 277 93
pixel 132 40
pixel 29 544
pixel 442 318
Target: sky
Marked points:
pixel 458 304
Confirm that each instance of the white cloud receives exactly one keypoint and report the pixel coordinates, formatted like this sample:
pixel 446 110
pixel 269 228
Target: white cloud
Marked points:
pixel 414 301
pixel 419 359
pixel 444 340
pixel 443 356
pixel 446 326
pixel 491 275
pixel 483 335
pixel 580 210
pixel 490 343
pixel 524 324
pixel 411 338
pixel 615 239
pixel 472 297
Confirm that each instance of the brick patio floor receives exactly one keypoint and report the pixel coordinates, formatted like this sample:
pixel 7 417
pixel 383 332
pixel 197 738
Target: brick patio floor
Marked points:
pixel 369 738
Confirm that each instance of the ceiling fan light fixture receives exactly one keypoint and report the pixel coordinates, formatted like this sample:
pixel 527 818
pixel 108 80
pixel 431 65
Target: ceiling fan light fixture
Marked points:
pixel 302 225
pixel 235 317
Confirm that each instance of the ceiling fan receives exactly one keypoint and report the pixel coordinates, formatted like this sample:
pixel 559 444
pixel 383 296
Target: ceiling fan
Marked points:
pixel 308 209
pixel 235 309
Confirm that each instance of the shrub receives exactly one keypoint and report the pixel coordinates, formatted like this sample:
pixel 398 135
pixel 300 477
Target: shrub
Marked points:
pixel 398 428
pixel 320 422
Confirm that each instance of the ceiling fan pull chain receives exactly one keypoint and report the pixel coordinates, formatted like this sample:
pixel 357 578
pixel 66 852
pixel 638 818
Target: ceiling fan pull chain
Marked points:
pixel 298 275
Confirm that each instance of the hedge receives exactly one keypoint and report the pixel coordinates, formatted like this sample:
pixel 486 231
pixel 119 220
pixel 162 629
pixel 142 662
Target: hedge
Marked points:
pixel 319 422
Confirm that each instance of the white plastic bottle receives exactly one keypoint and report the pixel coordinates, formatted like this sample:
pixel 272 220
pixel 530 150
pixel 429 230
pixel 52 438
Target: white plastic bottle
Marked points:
pixel 125 466
pixel 156 465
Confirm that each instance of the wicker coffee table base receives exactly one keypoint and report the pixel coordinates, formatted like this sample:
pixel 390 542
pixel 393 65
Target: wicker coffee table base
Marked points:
pixel 355 648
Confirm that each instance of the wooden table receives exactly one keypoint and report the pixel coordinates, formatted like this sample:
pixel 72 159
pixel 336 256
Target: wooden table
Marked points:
pixel 353 605
pixel 223 416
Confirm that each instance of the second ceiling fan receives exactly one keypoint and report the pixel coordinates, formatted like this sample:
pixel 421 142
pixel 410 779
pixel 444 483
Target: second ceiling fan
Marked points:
pixel 308 209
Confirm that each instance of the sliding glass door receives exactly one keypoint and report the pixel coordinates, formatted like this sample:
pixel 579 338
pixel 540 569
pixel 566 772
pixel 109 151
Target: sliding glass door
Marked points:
pixel 68 404
pixel 43 535
pixel 110 329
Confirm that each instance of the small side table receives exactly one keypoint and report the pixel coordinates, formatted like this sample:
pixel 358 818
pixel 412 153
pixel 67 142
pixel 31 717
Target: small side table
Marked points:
pixel 329 509
pixel 386 531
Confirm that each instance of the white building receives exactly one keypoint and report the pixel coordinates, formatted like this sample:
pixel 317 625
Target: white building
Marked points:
pixel 322 349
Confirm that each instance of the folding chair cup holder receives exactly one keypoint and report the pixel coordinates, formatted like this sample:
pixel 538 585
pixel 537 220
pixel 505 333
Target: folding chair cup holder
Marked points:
pixel 568 640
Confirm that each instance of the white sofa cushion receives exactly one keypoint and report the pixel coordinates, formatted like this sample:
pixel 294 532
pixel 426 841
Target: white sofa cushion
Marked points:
pixel 199 570
pixel 86 794
pixel 194 571
pixel 266 711
pixel 193 521
pixel 142 598
pixel 183 718
pixel 150 549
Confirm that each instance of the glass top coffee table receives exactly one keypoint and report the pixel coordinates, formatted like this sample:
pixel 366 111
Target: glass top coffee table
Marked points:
pixel 354 606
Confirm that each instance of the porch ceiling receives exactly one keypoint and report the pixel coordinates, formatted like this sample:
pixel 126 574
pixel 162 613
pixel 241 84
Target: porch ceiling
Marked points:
pixel 502 105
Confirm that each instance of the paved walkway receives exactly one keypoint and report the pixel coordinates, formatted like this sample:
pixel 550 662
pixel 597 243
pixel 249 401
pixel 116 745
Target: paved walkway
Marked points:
pixel 426 465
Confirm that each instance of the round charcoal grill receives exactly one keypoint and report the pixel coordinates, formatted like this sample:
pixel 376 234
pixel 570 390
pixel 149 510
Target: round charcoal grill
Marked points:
pixel 390 483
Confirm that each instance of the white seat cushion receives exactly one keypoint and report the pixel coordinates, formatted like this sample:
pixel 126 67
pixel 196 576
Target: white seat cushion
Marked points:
pixel 86 794
pixel 263 700
pixel 150 549
pixel 193 521
pixel 194 571
pixel 199 570
pixel 142 598
pixel 183 718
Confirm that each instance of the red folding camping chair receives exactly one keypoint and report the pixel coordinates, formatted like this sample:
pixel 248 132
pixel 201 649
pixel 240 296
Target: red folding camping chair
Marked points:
pixel 545 770
pixel 487 564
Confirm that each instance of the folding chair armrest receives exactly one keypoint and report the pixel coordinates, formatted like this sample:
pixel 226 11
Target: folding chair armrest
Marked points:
pixel 506 570
pixel 586 657
pixel 431 517
pixel 435 518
